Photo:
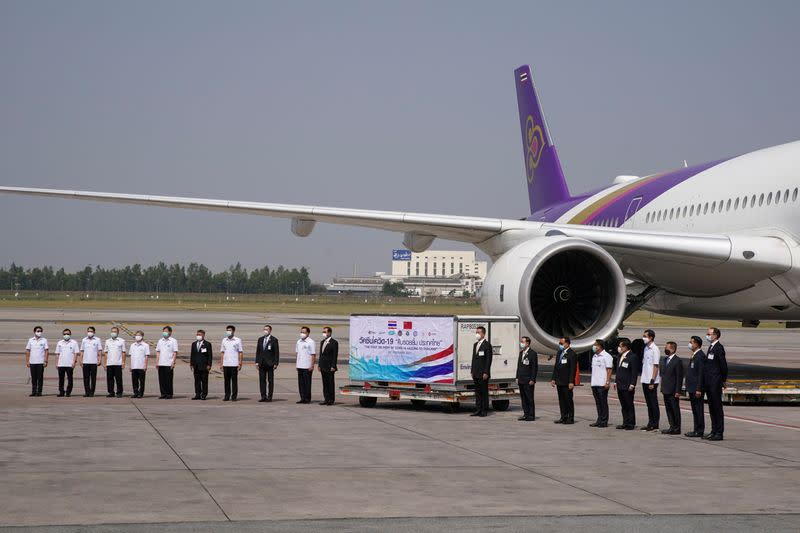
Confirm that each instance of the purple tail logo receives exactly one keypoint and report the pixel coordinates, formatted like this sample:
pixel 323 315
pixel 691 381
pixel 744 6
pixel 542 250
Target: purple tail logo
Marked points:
pixel 535 138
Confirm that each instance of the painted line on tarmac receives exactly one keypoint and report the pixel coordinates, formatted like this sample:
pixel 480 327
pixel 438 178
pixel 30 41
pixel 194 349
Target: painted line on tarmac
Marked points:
pixel 742 419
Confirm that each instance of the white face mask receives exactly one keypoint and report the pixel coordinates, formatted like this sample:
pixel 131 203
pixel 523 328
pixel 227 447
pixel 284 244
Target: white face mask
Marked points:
pixel 138 338
pixel 267 332
pixel 90 334
pixel 303 336
pixel 114 334
pixel 37 334
pixel 478 336
pixel 646 340
pixel 67 337
pixel 522 345
pixel 325 335
pixel 229 333
pixel 690 347
pixel 199 337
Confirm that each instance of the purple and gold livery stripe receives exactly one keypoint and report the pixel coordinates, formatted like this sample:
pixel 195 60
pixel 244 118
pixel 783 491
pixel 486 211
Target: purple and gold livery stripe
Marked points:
pixel 622 203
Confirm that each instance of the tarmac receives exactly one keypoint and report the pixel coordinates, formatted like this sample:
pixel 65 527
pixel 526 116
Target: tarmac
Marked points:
pixel 119 464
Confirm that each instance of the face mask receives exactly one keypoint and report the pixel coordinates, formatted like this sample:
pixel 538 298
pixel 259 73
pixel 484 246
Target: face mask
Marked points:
pixel 708 338
pixel 522 345
pixel 478 336
pixel 646 340
pixel 66 337
pixel 114 334
pixel 690 347
pixel 165 334
pixel 325 335
pixel 90 334
pixel 138 338
pixel 594 349
pixel 199 337
pixel 266 332
pixel 303 336
pixel 229 333
pixel 667 352
pixel 37 334
pixel 560 346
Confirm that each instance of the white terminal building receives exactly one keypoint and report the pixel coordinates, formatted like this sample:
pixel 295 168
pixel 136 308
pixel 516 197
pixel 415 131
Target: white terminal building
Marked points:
pixel 430 273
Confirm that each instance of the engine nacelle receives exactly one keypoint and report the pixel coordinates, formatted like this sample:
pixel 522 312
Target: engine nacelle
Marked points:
pixel 558 286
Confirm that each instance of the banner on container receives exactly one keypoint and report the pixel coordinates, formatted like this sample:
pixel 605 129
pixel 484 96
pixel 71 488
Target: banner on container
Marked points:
pixel 402 349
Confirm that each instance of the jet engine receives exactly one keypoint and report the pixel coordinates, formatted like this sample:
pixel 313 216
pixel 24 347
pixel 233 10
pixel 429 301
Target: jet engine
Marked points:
pixel 558 286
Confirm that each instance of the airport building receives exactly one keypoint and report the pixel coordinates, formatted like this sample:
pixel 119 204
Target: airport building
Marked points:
pixel 430 273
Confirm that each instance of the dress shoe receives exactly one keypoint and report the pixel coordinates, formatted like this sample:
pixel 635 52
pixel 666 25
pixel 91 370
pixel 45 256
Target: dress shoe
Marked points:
pixel 323 403
pixel 195 397
pixel 110 395
pixel 653 428
pixel 628 428
pixel 621 426
pixel 32 394
pixel 69 394
pixel 482 415
pixel 203 397
pixel 119 395
pixel 269 398
pixel 707 436
pixel 91 395
pixel 716 436
pixel 559 421
pixel 601 425
pixel 522 418
pixel 226 399
pixel 475 414
pixel 569 421
pixel 300 401
pixel 691 434
pixel 667 431
pixel 646 428
pixel 60 394
pixel 234 399
pixel 168 397
pixel 262 400
pixel 161 397
pixel 676 431
pixel 593 425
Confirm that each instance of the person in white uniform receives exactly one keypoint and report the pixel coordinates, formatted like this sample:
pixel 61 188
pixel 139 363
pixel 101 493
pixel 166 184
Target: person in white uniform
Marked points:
pixel 67 350
pixel 138 351
pixel 232 356
pixel 651 379
pixel 37 352
pixel 115 362
pixel 167 350
pixel 602 365
pixel 306 359
pixel 91 353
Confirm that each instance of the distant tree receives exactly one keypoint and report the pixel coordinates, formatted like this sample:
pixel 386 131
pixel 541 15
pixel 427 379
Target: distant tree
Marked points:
pixel 394 289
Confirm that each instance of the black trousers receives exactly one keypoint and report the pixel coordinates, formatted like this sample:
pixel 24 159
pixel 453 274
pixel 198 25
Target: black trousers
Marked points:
pixel 165 375
pixel 328 386
pixel 672 407
pixel 201 382
pixel 626 405
pixel 651 398
pixel 601 402
pixel 137 380
pixel 231 378
pixel 481 394
pixel 89 378
pixel 304 384
pixel 565 402
pixel 37 378
pixel 526 397
pixel 65 371
pixel 714 395
pixel 114 376
pixel 698 413
pixel 266 380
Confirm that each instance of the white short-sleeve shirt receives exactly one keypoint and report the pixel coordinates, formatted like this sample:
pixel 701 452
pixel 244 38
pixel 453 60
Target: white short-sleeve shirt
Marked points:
pixel 306 349
pixel 139 352
pixel 652 356
pixel 230 348
pixel 165 348
pixel 115 348
pixel 37 348
pixel 91 348
pixel 67 351
pixel 600 363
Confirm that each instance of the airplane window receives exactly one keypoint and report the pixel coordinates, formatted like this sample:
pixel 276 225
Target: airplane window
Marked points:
pixel 769 199
pixel 671 212
pixel 753 201
pixel 728 205
pixel 761 200
pixel 744 202
pixel 736 204
pixel 786 196
pixel 778 197
pixel 794 195
pixel 713 205
pixel 684 211
pixel 705 208
pixel 616 221
pixel 691 211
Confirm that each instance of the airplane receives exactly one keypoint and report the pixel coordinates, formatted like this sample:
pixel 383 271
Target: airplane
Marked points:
pixel 718 240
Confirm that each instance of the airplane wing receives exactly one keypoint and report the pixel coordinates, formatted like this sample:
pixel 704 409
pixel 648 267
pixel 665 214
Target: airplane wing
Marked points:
pixel 678 262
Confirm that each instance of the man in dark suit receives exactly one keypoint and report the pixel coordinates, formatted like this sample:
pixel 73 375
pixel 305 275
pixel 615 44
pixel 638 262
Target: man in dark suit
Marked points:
pixel 200 363
pixel 328 354
pixel 267 358
pixel 625 383
pixel 671 370
pixel 564 380
pixel 527 368
pixel 715 374
pixel 481 371
pixel 694 380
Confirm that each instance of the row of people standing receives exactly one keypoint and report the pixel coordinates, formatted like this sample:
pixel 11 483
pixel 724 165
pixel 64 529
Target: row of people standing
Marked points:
pixel 91 353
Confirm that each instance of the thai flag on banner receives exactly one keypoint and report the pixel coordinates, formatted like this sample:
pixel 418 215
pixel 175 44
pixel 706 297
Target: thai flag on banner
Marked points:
pixel 392 324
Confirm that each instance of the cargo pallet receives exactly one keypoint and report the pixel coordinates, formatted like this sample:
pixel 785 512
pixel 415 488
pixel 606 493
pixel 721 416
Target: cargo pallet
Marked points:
pixel 369 393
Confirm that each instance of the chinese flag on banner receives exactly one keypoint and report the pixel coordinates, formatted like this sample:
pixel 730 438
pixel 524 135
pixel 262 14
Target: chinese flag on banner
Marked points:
pixel 407 325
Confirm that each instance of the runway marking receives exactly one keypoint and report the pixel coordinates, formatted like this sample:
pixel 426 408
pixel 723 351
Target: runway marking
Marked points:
pixel 740 419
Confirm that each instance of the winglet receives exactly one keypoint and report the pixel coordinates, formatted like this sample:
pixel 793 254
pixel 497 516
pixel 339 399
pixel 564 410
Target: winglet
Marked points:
pixel 546 183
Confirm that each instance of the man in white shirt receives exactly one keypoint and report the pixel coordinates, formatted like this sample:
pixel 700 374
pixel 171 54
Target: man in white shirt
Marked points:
pixel 67 350
pixel 91 352
pixel 138 351
pixel 115 362
pixel 167 350
pixel 650 379
pixel 37 352
pixel 306 359
pixel 602 365
pixel 231 357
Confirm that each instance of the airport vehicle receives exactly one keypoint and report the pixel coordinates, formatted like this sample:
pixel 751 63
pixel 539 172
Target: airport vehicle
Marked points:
pixel 714 240
pixel 429 358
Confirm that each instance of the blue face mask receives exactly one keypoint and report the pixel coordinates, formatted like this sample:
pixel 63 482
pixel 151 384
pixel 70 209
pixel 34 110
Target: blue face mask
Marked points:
pixel 708 338
pixel 165 334
pixel 594 349
pixel 560 347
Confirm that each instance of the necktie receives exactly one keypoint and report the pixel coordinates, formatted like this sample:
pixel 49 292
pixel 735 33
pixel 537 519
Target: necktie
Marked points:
pixel 266 338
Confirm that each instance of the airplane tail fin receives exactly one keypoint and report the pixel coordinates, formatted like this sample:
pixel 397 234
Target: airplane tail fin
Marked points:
pixel 546 183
